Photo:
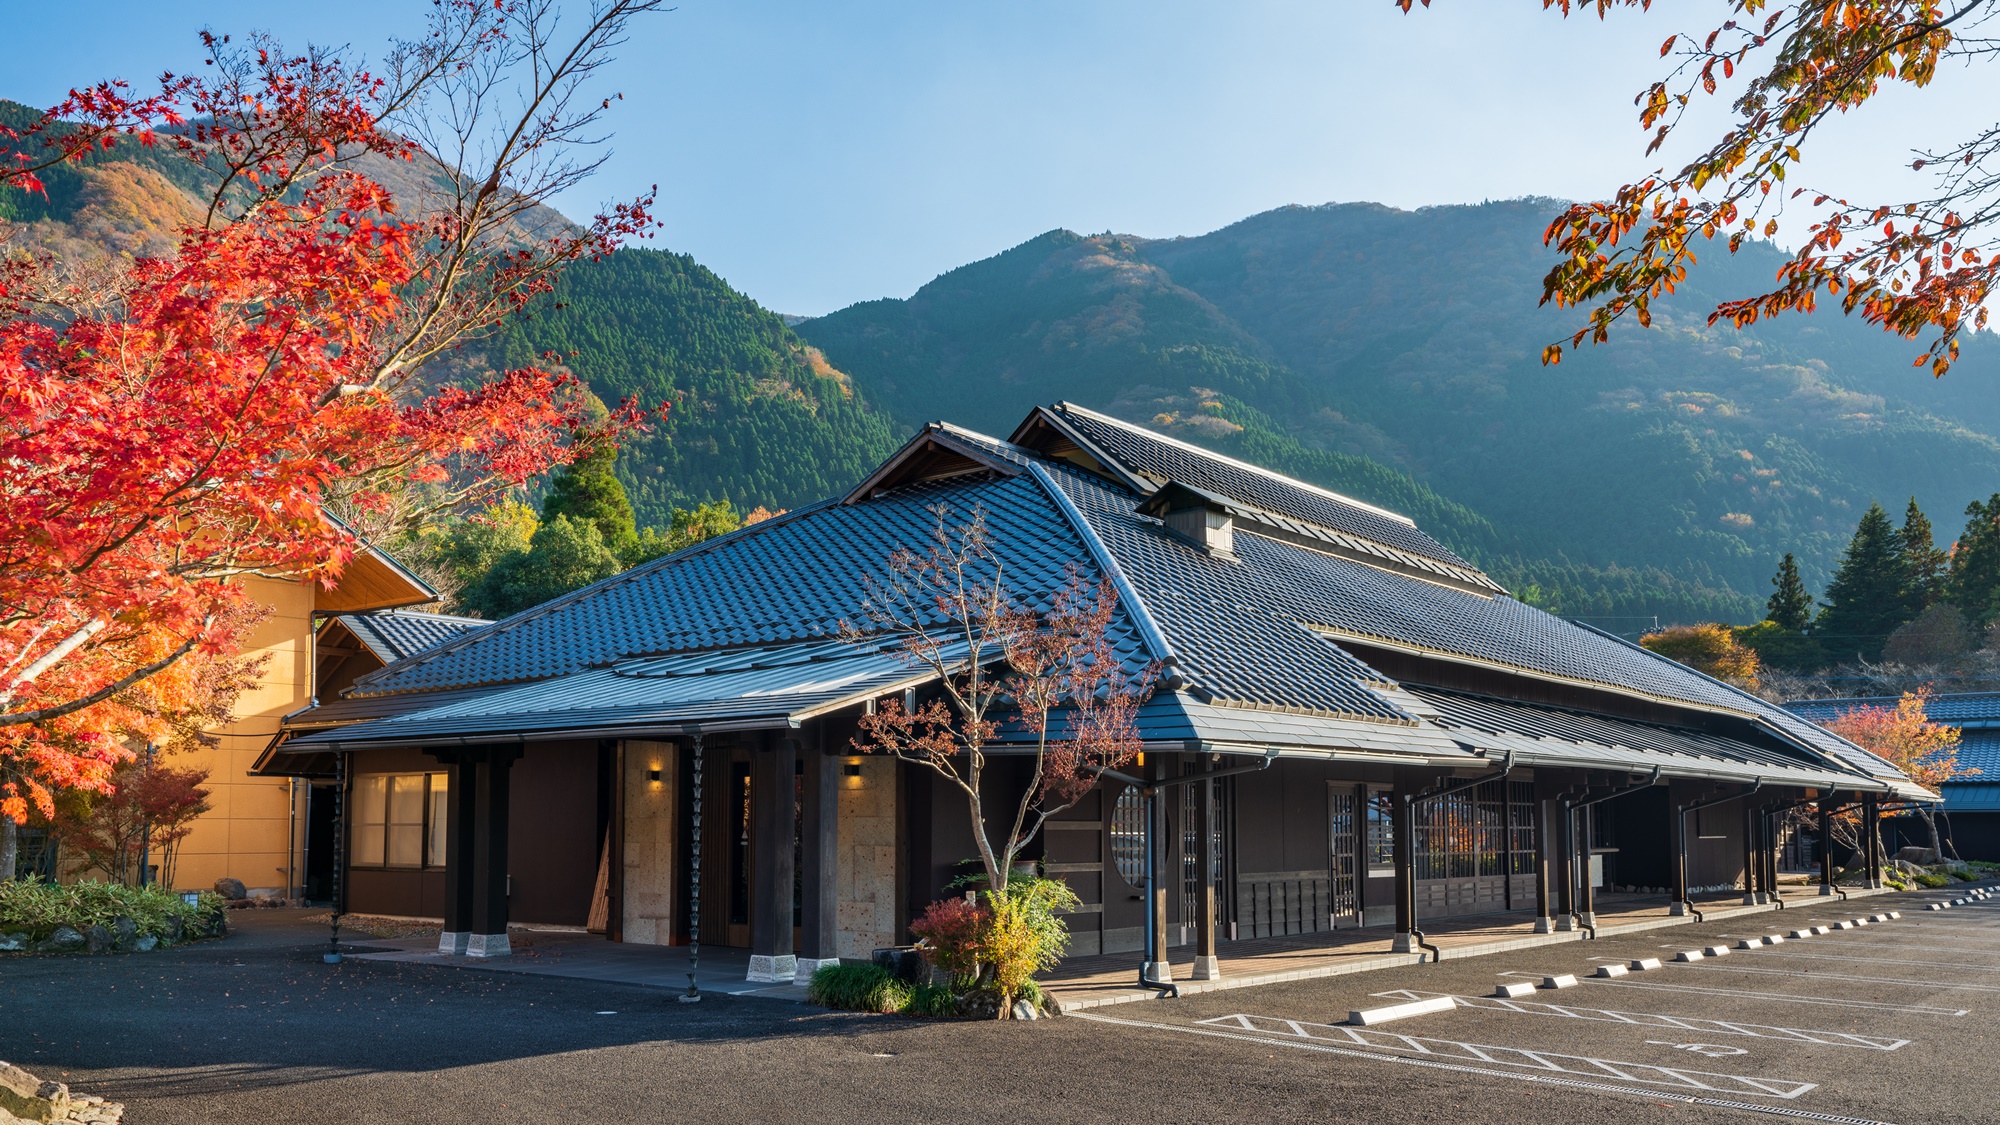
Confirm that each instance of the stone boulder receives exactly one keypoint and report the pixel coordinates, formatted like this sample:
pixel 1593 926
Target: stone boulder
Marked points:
pixel 13 943
pixel 145 944
pixel 99 939
pixel 171 932
pixel 231 889
pixel 64 940
pixel 1924 856
pixel 124 931
pixel 25 1099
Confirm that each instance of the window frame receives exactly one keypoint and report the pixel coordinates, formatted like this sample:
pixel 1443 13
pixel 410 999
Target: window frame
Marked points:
pixel 436 783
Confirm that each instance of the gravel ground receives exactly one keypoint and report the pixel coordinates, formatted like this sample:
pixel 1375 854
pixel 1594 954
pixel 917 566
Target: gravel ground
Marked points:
pixel 256 1028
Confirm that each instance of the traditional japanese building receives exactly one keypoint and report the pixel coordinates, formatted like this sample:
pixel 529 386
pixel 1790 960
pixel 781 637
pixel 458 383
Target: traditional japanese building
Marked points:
pixel 1356 727
pixel 1970 824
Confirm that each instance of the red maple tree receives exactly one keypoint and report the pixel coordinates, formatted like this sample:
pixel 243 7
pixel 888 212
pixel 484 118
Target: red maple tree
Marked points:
pixel 199 419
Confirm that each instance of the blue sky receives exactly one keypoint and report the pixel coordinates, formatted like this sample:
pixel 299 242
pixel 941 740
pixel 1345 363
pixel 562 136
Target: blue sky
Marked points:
pixel 818 154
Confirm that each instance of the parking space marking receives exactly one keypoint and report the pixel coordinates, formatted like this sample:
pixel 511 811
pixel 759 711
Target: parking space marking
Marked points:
pixel 1654 1093
pixel 1645 1074
pixel 1650 1019
pixel 1821 955
pixel 1853 980
pixel 1787 998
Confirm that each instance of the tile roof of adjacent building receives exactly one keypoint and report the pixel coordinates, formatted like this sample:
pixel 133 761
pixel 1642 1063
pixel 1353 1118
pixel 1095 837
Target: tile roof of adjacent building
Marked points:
pixel 1257 642
pixel 392 634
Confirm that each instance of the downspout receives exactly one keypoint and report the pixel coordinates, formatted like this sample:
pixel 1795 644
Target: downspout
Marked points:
pixel 1697 806
pixel 1506 767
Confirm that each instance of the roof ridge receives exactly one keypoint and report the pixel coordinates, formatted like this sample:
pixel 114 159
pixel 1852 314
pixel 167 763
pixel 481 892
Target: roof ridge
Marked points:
pixel 473 636
pixel 1063 404
pixel 1149 629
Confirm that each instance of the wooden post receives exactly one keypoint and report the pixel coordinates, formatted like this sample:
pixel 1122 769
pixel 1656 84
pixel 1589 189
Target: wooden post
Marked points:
pixel 1753 852
pixel 1207 966
pixel 461 843
pixel 819 855
pixel 1826 844
pixel 489 856
pixel 1544 921
pixel 1159 863
pixel 774 821
pixel 614 929
pixel 1565 857
pixel 1677 844
pixel 1871 838
pixel 1586 901
pixel 1404 842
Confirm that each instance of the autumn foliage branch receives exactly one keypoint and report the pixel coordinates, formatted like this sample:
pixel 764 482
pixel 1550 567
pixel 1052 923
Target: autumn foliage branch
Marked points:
pixel 1002 674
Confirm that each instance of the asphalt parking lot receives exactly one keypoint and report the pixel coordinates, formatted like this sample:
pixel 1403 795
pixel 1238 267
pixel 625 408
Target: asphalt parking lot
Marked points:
pixel 1889 1022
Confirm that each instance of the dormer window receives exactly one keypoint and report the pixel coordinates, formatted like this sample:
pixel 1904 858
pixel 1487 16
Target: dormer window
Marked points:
pixel 1201 518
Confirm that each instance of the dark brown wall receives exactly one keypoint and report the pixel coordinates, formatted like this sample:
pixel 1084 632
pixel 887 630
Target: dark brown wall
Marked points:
pixel 553 840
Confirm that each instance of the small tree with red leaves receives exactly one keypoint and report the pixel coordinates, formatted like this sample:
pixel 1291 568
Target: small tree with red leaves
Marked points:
pixel 1006 678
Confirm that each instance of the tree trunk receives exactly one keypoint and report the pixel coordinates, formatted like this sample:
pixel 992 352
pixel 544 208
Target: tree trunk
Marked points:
pixel 10 846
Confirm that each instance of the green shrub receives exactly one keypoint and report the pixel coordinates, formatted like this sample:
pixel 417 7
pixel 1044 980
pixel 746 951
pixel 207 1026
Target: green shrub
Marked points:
pixel 37 908
pixel 932 1001
pixel 858 988
pixel 1932 881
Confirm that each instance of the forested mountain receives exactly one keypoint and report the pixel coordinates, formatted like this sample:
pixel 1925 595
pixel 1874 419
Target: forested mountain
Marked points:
pixel 757 417
pixel 1664 473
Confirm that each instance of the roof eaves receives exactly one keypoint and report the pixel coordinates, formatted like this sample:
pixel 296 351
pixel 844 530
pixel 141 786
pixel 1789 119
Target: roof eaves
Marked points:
pixel 1136 482
pixel 934 434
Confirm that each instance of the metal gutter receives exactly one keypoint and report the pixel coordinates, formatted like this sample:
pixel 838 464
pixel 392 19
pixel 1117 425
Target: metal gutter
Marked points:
pixel 344 746
pixel 1149 630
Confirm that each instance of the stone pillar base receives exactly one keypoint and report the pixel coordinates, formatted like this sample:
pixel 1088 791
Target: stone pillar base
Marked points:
pixel 807 966
pixel 1589 917
pixel 1403 943
pixel 1565 924
pixel 488 945
pixel 1206 968
pixel 1750 900
pixel 1678 909
pixel 450 943
pixel 1159 972
pixel 1826 888
pixel 772 968
pixel 1545 925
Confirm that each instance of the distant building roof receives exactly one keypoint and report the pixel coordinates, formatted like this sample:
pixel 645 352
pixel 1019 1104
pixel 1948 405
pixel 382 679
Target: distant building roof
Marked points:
pixel 393 634
pixel 1267 644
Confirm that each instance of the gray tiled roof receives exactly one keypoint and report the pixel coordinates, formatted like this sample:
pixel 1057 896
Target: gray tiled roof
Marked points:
pixel 1255 640
pixel 1954 709
pixel 392 634
pixel 1163 459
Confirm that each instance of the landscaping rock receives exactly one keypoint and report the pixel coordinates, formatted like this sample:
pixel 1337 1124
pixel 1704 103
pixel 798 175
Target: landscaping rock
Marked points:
pixel 1917 855
pixel 13 943
pixel 124 931
pixel 231 889
pixel 172 930
pixel 23 1098
pixel 904 963
pixel 64 940
pixel 99 939
pixel 1026 1011
pixel 145 944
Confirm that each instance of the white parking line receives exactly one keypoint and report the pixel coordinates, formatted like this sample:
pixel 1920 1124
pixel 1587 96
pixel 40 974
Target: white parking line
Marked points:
pixel 1649 1019
pixel 1552 1062
pixel 1940 986
pixel 1821 955
pixel 1787 998
pixel 1519 1076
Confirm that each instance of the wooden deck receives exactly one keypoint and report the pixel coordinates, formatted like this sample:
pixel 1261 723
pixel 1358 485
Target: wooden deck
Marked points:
pixel 1112 978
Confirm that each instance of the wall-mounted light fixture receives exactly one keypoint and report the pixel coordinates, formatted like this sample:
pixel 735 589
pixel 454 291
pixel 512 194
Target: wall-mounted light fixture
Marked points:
pixel 653 775
pixel 851 767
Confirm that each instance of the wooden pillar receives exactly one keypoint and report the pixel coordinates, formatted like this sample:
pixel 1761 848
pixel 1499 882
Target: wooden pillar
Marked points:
pixel 1767 851
pixel 819 861
pixel 614 847
pixel 1586 896
pixel 1565 857
pixel 1826 844
pixel 1207 965
pixel 1544 842
pixel 1753 852
pixel 461 832
pixel 1159 869
pixel 1871 838
pixel 489 855
pixel 1404 831
pixel 774 825
pixel 1677 853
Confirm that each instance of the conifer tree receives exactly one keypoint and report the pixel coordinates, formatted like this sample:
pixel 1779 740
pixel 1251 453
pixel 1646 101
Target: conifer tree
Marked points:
pixel 1974 579
pixel 588 491
pixel 1791 607
pixel 1864 601
pixel 1926 565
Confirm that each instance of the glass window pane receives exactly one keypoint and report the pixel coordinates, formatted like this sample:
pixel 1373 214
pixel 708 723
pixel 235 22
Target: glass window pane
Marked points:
pixel 440 791
pixel 370 808
pixel 406 845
